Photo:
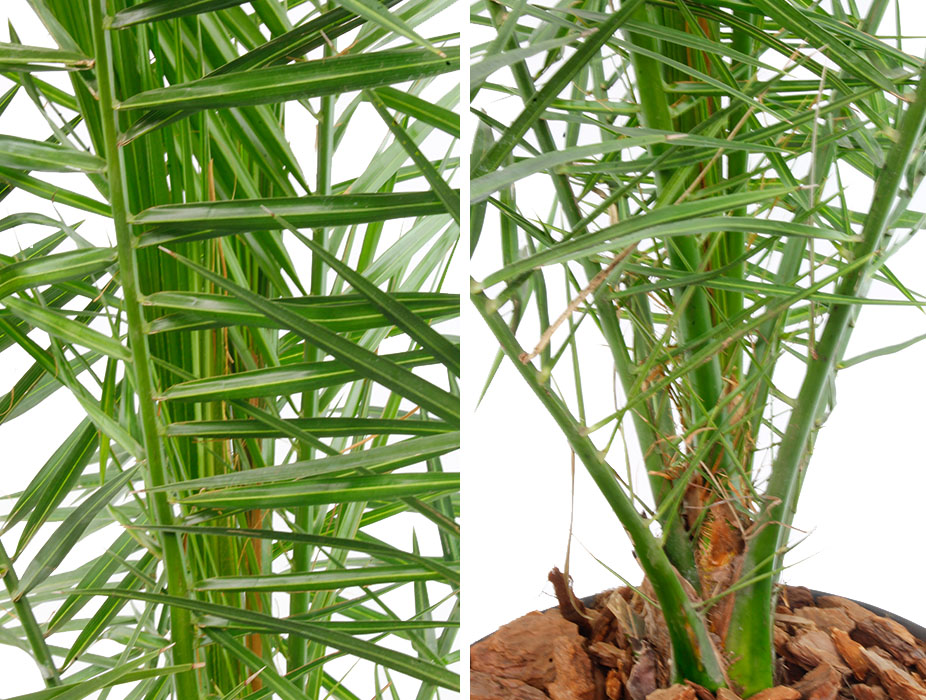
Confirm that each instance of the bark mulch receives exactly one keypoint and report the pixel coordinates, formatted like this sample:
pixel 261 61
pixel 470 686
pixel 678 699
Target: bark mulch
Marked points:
pixel 618 649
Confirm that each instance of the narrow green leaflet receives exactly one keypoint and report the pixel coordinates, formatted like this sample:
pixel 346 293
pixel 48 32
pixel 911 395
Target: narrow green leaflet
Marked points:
pixel 380 459
pixel 124 673
pixel 601 240
pixel 16 57
pixel 390 307
pixel 66 330
pixel 341 313
pixel 155 10
pixel 198 220
pixel 93 628
pixel 103 568
pixel 26 154
pixel 319 580
pixel 450 571
pixel 53 193
pixel 280 381
pixel 54 268
pixel 316 492
pixel 54 481
pixel 540 101
pixel 280 685
pixel 384 656
pixel 420 109
pixel 282 49
pixel 450 199
pixel 375 12
pixel 390 375
pixel 482 187
pixel 323 427
pixel 327 76
pixel 70 532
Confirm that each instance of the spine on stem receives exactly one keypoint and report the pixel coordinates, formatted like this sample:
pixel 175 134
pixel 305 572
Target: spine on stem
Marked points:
pixel 181 627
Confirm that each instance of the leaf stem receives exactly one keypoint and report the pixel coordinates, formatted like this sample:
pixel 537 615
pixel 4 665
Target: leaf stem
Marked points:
pixel 694 657
pixel 155 473
pixel 750 641
pixel 33 631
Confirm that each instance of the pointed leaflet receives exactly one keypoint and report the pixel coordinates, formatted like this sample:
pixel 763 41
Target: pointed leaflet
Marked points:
pixel 26 154
pixel 319 580
pixel 386 303
pixel 69 533
pixel 282 49
pixel 595 242
pixel 324 427
pixel 51 269
pixel 551 89
pixel 66 330
pixel 380 459
pixel 155 10
pixel 280 685
pixel 355 489
pixel 327 76
pixel 16 57
pixel 280 381
pixel 97 575
pixel 209 219
pixel 54 481
pixel 346 643
pixel 339 313
pixel 93 629
pixel 374 367
pixel 443 191
pixel 374 11
pixel 422 110
pixel 53 193
pixel 384 552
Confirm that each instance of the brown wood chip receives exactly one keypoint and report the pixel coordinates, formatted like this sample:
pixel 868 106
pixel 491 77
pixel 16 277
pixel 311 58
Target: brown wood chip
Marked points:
pixel 890 635
pixel 827 618
pixel 852 652
pixel 611 656
pixel 727 694
pixel 820 684
pixel 813 648
pixel 484 686
pixel 700 691
pixel 899 684
pixel 574 677
pixel 613 685
pixel 779 692
pixel 868 692
pixel 852 609
pixel 675 692
pixel 523 649
pixel 797 596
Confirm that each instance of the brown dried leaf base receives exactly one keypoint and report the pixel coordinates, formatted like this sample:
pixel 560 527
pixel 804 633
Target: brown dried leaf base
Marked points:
pixel 827 648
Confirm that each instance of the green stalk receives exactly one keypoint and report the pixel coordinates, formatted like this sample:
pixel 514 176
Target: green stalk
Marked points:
pixel 750 638
pixel 181 627
pixel 683 250
pixel 677 543
pixel 34 635
pixel 299 602
pixel 734 242
pixel 694 657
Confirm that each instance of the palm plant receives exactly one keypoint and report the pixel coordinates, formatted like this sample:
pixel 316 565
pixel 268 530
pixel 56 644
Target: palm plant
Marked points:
pixel 267 401
pixel 702 155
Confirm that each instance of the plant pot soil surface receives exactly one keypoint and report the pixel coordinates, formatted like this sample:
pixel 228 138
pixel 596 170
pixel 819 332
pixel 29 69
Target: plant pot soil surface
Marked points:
pixel 614 646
